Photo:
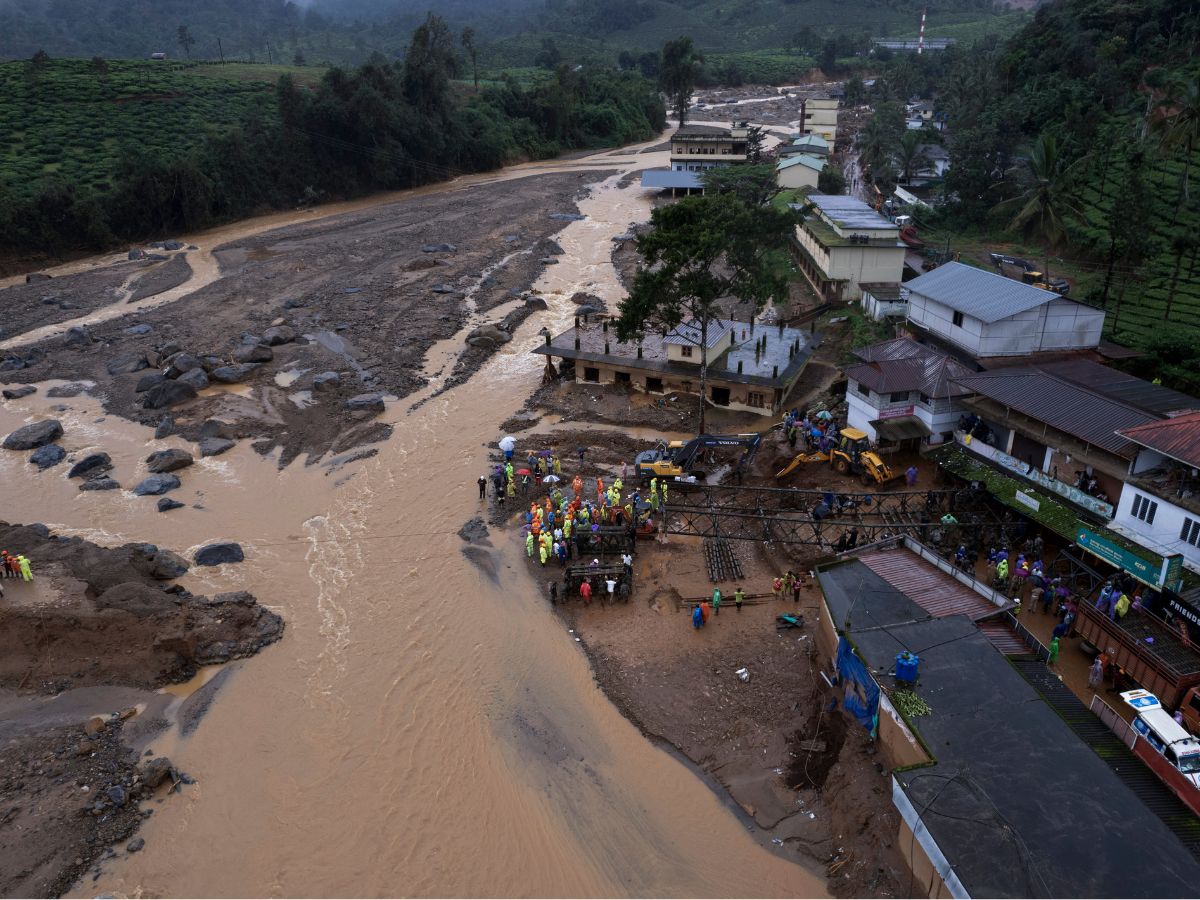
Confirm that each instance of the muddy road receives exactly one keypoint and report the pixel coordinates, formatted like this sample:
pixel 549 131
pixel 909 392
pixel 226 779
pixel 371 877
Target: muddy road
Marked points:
pixel 426 725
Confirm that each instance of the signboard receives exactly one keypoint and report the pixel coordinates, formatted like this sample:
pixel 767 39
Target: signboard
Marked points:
pixel 896 411
pixel 1024 499
pixel 1172 572
pixel 1141 699
pixel 1038 477
pixel 1104 549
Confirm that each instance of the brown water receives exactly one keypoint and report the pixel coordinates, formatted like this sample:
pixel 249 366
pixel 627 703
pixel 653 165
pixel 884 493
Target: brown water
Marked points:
pixel 421 729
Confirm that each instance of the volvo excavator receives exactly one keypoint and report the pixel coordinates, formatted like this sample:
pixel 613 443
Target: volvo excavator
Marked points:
pixel 851 456
pixel 675 460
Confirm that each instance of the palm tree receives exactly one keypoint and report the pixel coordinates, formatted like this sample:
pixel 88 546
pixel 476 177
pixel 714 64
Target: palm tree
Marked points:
pixel 875 144
pixel 1044 199
pixel 909 156
pixel 1180 125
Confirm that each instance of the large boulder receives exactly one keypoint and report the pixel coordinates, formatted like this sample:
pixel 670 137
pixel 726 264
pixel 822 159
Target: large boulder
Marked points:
pixel 18 392
pixel 232 374
pixel 253 353
pixel 127 364
pixel 168 460
pixel 156 485
pixel 366 404
pixel 219 554
pixel 215 446
pixel 34 435
pixel 77 336
pixel 50 455
pixel 166 504
pixel 165 428
pixel 100 484
pixel 37 276
pixel 149 380
pixel 182 363
pixel 439 248
pixel 169 393
pixel 92 464
pixel 194 377
pixel 165 565
pixel 278 334
pixel 326 381
pixel 70 389
pixel 489 337
pixel 217 428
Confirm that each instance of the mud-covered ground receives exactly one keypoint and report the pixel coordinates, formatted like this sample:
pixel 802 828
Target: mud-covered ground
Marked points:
pixel 96 629
pixel 780 108
pixel 363 295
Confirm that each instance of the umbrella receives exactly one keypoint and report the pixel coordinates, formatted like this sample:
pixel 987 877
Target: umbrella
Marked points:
pixel 825 414
pixel 524 472
pixel 507 443
pixel 551 479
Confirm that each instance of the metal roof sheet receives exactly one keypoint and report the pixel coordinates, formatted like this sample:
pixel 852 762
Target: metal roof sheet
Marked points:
pixel 801 159
pixel 1178 437
pixel 904 365
pixel 688 333
pixel 849 212
pixel 1122 386
pixel 810 140
pixel 979 294
pixel 670 178
pixel 1064 405
pixel 934 590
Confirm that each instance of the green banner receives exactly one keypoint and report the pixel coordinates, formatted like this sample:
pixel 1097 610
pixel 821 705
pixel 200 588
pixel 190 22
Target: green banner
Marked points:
pixel 1141 569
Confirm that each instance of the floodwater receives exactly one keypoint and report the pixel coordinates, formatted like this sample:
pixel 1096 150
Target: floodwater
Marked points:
pixel 424 727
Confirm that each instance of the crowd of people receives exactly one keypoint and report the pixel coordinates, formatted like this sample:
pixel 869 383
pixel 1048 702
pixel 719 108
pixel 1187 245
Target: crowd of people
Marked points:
pixel 818 431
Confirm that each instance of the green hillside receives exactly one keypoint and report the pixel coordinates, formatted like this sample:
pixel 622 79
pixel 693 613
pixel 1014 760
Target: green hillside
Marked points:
pixel 74 122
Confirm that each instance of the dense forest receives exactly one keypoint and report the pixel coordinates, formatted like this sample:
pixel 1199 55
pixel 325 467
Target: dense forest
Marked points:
pixel 1081 136
pixel 383 126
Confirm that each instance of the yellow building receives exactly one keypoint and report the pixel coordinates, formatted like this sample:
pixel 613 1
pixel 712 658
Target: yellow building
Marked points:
pixel 843 244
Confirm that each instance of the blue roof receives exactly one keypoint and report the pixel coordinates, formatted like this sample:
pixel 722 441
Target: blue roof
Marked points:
pixel 670 178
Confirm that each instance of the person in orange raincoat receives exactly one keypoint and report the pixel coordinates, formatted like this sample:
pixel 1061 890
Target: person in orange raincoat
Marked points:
pixel 577 484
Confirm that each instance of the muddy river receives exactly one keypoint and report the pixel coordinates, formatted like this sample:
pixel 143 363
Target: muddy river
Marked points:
pixel 424 727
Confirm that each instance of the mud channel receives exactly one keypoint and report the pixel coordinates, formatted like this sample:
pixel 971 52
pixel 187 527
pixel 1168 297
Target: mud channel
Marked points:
pixel 427 724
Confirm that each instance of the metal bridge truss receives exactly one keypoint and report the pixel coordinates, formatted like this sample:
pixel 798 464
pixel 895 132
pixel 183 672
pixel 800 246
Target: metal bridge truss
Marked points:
pixel 785 515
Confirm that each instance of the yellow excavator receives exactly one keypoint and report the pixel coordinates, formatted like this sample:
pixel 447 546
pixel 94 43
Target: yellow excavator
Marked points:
pixel 852 456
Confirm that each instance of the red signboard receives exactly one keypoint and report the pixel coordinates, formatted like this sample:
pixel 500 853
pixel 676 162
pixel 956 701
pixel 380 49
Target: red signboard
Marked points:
pixel 896 411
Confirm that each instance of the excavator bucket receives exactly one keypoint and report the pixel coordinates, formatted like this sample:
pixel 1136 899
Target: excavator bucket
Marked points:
pixel 799 460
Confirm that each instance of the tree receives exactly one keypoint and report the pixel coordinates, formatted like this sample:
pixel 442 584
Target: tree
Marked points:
pixel 429 65
pixel 298 58
pixel 697 252
pixel 881 135
pixel 909 155
pixel 756 137
pixel 1180 125
pixel 830 180
pixel 183 37
pixel 649 63
pixel 754 185
pixel 856 91
pixel 678 72
pixel 98 67
pixel 549 57
pixel 828 60
pixel 468 42
pixel 1043 197
pixel 39 60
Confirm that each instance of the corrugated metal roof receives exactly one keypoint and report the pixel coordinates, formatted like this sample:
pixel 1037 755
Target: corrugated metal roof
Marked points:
pixel 688 333
pixel 905 365
pixel 801 159
pixel 849 212
pixel 811 140
pixel 1121 386
pixel 1061 404
pixel 1178 438
pixel 1004 637
pixel 934 590
pixel 670 178
pixel 982 295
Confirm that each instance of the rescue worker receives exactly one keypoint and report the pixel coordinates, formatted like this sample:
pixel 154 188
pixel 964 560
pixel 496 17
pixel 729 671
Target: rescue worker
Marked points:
pixel 482 487
pixel 738 596
pixel 716 601
pixel 529 544
pixel 26 574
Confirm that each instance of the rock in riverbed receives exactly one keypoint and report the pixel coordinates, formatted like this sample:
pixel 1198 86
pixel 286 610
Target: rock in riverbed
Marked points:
pixel 168 460
pixel 220 554
pixel 92 464
pixel 34 435
pixel 47 456
pixel 157 484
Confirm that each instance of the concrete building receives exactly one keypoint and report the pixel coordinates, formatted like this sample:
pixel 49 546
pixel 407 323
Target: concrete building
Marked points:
pixel 989 315
pixel 812 144
pixel 750 368
pixel 820 117
pixel 799 171
pixel 843 244
pixel 1159 506
pixel 903 392
pixel 1003 753
pixel 694 150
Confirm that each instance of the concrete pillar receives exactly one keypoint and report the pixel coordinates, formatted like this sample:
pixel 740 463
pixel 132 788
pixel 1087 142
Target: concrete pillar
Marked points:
pixel 1048 460
pixel 1008 445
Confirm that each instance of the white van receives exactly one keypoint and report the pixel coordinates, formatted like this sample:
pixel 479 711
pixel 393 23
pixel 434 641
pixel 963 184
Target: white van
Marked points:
pixel 1164 734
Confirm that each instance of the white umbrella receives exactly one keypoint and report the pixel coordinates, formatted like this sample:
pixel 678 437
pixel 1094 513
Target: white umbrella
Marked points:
pixel 507 443
pixel 551 479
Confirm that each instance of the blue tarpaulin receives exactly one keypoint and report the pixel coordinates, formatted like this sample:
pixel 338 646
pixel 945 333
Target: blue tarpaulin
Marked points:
pixel 862 693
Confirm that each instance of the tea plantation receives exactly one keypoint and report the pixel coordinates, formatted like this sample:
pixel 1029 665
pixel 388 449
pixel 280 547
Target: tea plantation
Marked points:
pixel 73 121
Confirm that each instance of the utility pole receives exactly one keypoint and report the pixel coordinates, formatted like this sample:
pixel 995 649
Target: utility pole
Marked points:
pixel 270 58
pixel 221 50
pixel 921 39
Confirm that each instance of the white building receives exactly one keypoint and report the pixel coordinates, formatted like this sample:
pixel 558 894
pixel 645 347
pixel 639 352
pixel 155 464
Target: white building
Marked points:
pixel 820 116
pixel 843 244
pixel 904 391
pixel 989 315
pixel 1159 505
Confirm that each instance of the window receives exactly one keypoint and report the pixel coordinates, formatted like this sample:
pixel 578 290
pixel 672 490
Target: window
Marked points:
pixel 863 389
pixel 654 385
pixel 1194 703
pixel 756 398
pixel 686 352
pixel 958 318
pixel 622 377
pixel 1144 508
pixel 592 375
pixel 1190 532
pixel 926 399
pixel 720 396
pixel 898 397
